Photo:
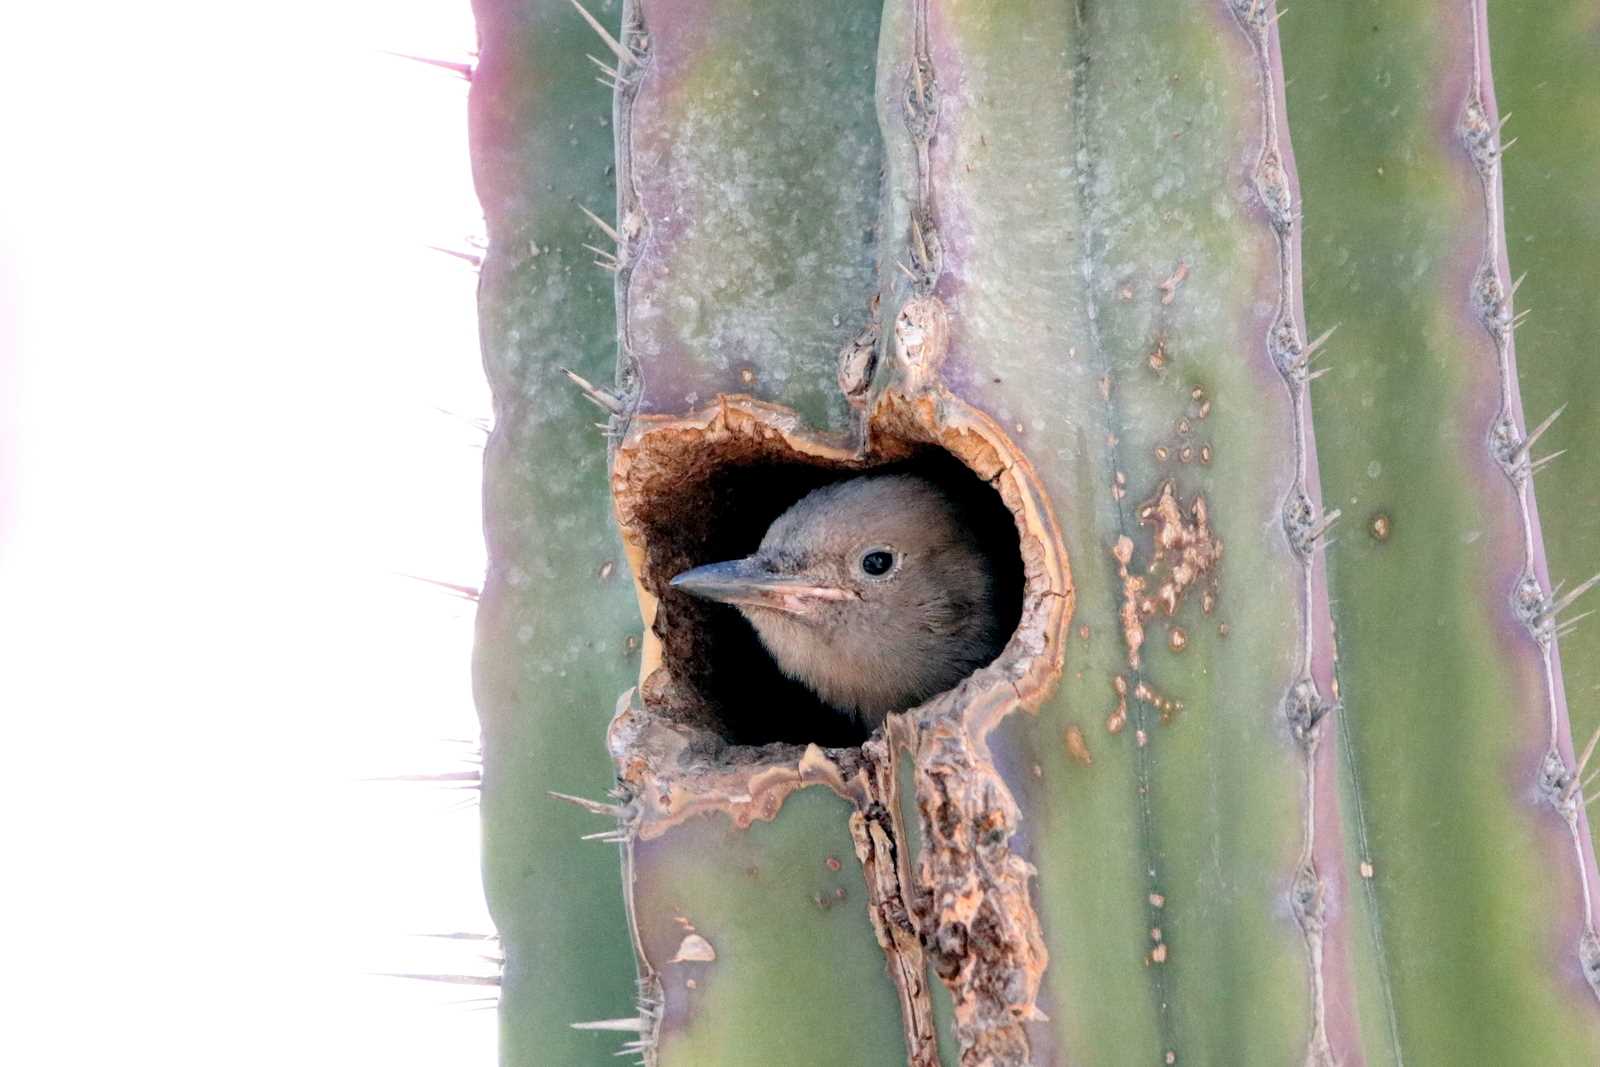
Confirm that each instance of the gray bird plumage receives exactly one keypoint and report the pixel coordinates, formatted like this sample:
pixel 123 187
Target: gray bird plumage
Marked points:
pixel 866 643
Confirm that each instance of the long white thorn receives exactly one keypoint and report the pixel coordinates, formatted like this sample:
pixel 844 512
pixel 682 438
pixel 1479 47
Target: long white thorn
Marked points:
pixel 605 35
pixel 476 261
pixel 602 398
pixel 603 65
pixel 1566 601
pixel 602 223
pixel 1571 624
pixel 1583 763
pixel 1538 431
pixel 594 807
pixel 923 259
pixel 462 69
pixel 634 1024
pixel 1321 340
pixel 1544 461
pixel 449 979
pixel 1322 527
pixel 465 592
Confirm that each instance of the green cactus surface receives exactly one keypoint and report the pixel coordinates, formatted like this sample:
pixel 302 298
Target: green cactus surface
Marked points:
pixel 1444 719
pixel 550 537
pixel 1279 765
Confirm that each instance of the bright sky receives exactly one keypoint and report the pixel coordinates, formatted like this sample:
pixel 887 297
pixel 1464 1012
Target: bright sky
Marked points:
pixel 222 343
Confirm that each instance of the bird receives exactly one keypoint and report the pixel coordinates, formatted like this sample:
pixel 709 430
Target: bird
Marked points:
pixel 873 592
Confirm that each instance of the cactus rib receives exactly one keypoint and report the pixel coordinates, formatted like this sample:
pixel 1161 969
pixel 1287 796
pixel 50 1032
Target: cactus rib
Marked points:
pixel 1445 721
pixel 1305 523
pixel 1478 130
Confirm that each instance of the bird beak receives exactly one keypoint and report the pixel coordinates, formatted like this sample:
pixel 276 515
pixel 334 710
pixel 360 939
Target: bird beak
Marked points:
pixel 752 583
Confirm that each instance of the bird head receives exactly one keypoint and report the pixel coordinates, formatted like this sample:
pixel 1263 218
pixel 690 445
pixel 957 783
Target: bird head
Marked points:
pixel 870 591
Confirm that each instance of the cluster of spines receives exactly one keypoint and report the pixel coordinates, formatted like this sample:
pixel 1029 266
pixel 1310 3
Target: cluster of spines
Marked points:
pixel 469 780
pixel 627 236
pixel 646 1019
pixel 491 982
pixel 465 69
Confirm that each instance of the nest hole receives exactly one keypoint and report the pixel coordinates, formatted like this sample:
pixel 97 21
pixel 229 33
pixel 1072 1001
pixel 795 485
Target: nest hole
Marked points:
pixel 697 499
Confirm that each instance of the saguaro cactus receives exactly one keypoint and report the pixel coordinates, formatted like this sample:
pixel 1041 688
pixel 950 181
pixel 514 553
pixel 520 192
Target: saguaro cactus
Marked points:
pixel 1248 784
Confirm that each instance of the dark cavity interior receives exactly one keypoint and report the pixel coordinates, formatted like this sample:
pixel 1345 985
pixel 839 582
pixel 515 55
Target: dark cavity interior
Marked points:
pixel 717 675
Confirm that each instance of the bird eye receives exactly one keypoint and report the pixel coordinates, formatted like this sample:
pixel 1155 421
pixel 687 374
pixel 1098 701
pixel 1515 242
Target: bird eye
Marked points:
pixel 877 562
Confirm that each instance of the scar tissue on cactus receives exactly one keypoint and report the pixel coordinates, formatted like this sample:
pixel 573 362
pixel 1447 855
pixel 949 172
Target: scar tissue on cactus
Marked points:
pixel 1210 315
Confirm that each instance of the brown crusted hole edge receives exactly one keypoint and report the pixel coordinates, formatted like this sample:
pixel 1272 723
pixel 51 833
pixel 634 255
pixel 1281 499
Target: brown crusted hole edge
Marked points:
pixel 667 749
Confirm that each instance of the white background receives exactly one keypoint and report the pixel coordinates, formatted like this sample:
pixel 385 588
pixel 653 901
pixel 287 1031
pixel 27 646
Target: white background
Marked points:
pixel 222 343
